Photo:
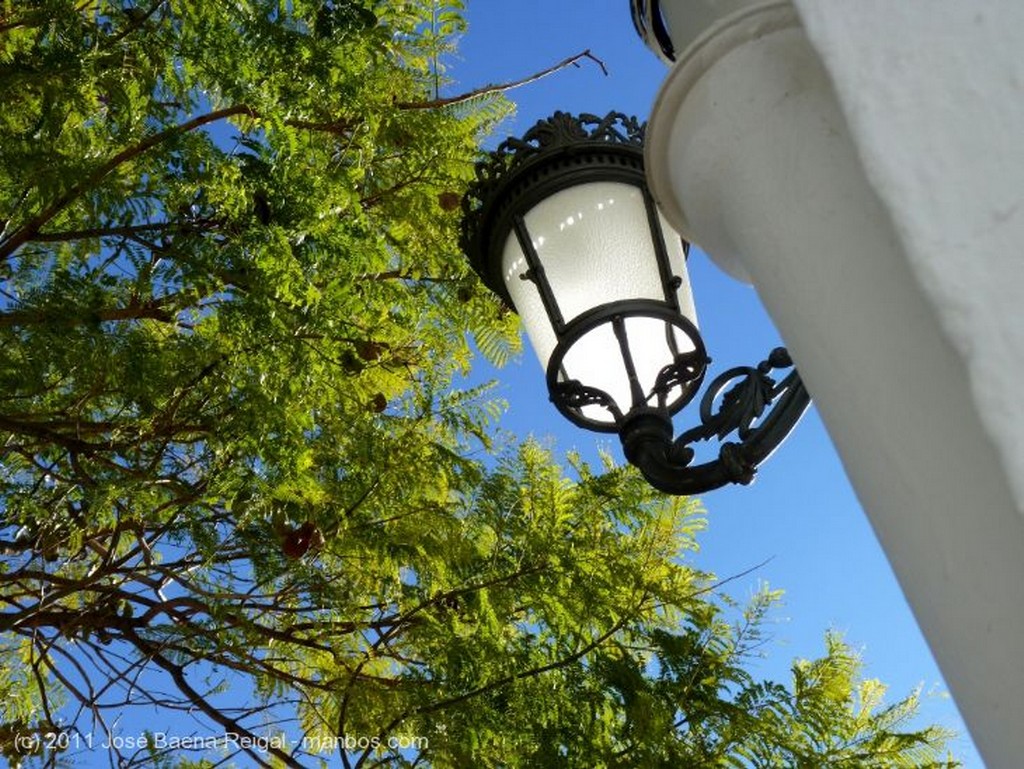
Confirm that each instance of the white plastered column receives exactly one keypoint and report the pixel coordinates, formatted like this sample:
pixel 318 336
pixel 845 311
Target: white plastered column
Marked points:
pixel 861 263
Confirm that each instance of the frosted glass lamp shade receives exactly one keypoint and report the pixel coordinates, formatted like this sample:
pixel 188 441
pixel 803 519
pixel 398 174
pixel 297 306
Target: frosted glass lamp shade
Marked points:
pixel 594 246
pixel 562 226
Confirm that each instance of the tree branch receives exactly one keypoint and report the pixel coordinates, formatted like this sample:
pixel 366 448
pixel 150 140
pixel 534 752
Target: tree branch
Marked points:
pixel 532 673
pixel 572 61
pixel 177 674
pixel 30 229
pixel 153 310
pixel 32 19
pixel 139 21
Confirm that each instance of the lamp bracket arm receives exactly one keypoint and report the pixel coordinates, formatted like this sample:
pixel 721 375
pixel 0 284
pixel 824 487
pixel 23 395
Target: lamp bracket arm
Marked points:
pixel 750 403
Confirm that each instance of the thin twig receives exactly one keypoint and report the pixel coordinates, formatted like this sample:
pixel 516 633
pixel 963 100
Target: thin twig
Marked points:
pixel 572 61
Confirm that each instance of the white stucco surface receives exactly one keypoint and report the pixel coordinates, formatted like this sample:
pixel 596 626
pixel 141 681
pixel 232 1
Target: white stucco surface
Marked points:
pixel 868 179
pixel 933 93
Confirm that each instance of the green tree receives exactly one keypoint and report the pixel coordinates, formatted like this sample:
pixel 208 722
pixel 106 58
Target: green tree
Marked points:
pixel 236 482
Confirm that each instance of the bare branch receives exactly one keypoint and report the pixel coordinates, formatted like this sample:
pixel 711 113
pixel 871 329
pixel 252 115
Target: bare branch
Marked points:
pixel 572 61
pixel 177 674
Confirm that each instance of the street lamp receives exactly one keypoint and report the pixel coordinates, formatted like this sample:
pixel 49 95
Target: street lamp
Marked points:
pixel 561 225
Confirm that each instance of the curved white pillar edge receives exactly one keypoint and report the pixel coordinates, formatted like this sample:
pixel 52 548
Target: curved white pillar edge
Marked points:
pixel 734 28
pixel 750 156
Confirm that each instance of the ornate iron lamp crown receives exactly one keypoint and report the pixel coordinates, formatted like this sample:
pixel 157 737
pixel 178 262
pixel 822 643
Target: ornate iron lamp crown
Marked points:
pixel 561 145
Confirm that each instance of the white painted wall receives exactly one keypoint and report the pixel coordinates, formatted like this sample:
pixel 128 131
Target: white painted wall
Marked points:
pixel 933 94
pixel 862 163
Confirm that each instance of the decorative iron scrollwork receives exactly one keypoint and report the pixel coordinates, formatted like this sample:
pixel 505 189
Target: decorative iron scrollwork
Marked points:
pixel 743 404
pixel 752 404
pixel 573 394
pixel 686 371
pixel 561 131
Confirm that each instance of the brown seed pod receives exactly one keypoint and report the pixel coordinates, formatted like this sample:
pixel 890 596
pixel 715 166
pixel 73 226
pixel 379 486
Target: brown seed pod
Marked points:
pixel 370 350
pixel 449 201
pixel 297 542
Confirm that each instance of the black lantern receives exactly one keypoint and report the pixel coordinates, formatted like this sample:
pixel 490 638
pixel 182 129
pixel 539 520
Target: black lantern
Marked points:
pixel 651 26
pixel 561 225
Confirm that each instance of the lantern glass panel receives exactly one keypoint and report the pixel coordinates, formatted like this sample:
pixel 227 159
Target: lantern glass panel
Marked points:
pixel 597 360
pixel 527 300
pixel 594 242
pixel 595 245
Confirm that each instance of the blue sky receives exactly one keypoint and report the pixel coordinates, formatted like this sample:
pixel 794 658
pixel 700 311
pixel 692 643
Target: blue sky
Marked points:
pixel 801 516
